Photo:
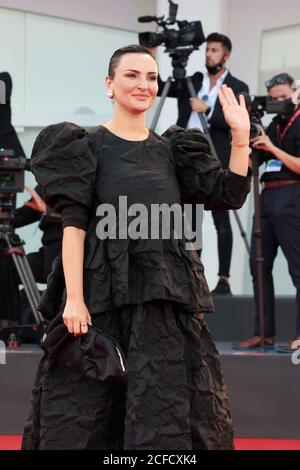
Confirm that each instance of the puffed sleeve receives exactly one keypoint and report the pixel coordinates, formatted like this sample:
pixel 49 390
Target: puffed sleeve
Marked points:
pixel 65 166
pixel 200 176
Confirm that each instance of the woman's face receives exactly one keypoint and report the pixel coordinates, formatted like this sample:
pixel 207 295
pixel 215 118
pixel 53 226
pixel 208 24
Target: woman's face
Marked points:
pixel 134 84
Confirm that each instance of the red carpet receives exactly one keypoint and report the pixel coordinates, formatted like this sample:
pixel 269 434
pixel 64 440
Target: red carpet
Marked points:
pixel 10 442
pixel 14 443
pixel 267 444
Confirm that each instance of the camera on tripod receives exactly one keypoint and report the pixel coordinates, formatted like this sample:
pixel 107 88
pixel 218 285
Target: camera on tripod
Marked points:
pixel 12 171
pixel 180 43
pixel 13 260
pixel 258 106
pixel 189 35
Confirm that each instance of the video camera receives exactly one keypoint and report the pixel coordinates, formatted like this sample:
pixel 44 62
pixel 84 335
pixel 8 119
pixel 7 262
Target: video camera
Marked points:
pixel 258 106
pixel 190 33
pixel 12 176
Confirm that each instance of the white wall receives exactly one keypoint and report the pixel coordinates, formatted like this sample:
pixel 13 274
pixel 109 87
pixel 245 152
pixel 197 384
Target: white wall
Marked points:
pixel 59 74
pixel 247 21
pixel 121 14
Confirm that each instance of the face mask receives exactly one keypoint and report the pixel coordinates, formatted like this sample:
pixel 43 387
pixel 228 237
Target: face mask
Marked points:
pixel 289 107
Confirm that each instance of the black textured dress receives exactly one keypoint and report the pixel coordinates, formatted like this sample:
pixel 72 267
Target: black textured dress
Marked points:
pixel 149 294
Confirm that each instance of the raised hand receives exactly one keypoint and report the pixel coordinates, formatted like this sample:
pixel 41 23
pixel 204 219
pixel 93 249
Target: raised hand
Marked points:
pixel 236 114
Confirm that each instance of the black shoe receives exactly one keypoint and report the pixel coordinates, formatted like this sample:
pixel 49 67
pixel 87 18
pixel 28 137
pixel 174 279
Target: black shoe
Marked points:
pixel 222 288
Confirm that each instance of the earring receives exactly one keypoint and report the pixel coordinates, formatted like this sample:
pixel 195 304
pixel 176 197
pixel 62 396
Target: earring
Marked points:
pixel 110 94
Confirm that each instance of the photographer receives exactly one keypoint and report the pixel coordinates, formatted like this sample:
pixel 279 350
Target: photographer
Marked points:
pixel 35 209
pixel 207 86
pixel 280 208
pixel 50 223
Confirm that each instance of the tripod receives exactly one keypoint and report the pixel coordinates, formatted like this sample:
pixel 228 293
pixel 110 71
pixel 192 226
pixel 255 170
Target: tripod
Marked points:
pixel 180 58
pixel 12 251
pixel 258 248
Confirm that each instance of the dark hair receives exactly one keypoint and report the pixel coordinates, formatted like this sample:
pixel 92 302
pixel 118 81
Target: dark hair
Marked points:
pixel 224 40
pixel 279 79
pixel 115 58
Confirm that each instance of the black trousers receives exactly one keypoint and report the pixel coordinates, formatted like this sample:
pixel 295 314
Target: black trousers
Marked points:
pixel 280 221
pixel 225 240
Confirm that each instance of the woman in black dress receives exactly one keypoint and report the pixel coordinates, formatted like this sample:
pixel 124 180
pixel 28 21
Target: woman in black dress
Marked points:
pixel 150 294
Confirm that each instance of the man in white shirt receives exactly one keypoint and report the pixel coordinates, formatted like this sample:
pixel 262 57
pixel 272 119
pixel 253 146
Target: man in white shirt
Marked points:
pixel 207 98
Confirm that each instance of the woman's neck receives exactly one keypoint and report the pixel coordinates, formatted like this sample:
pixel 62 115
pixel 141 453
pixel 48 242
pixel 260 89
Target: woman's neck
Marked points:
pixel 129 126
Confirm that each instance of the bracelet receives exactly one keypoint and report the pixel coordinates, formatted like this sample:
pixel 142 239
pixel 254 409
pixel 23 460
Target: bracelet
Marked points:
pixel 240 145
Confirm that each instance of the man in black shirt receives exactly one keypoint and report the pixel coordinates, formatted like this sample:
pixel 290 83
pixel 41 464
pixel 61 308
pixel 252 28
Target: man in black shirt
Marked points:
pixel 280 209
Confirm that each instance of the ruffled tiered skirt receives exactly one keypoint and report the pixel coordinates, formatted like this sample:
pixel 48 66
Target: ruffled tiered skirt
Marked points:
pixel 175 397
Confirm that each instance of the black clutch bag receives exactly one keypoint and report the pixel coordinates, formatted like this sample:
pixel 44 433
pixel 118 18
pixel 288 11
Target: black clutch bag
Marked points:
pixel 95 354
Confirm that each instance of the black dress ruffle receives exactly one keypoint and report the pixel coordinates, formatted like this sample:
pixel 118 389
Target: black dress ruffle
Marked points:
pixel 175 398
pixel 64 165
pixel 80 171
pixel 200 177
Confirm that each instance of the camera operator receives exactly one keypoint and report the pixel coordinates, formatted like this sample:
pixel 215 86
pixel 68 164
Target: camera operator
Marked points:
pixel 280 207
pixel 35 209
pixel 50 223
pixel 207 86
pixel 8 137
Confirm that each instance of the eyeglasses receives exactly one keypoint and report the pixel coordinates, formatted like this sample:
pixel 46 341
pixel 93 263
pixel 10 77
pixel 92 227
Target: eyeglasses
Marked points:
pixel 279 80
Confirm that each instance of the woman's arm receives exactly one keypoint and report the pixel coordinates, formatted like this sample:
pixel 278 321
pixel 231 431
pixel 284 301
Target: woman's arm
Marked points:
pixel 237 118
pixel 76 316
pixel 239 159
pixel 200 176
